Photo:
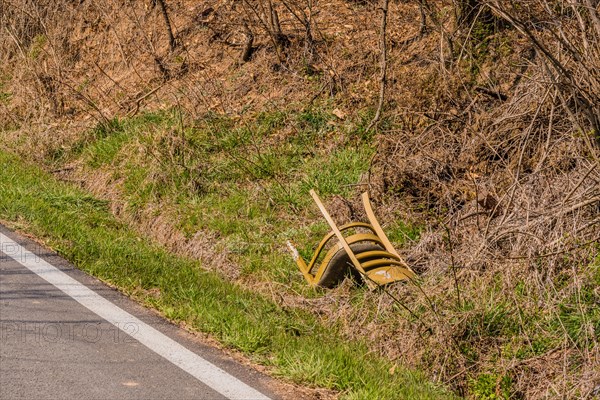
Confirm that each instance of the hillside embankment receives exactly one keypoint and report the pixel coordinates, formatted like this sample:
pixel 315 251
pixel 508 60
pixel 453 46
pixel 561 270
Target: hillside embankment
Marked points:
pixel 474 125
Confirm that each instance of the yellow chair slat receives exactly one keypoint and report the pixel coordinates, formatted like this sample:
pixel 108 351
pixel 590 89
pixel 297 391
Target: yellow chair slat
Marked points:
pixel 385 275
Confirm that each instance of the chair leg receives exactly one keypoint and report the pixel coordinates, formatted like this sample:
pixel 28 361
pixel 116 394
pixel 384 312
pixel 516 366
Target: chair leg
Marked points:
pixel 342 240
pixel 379 231
pixel 301 263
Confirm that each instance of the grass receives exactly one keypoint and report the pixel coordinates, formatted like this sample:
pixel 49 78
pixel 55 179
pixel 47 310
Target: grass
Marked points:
pixel 240 180
pixel 247 184
pixel 292 342
pixel 489 386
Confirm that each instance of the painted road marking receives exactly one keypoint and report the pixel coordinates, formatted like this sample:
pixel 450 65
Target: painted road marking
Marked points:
pixel 209 374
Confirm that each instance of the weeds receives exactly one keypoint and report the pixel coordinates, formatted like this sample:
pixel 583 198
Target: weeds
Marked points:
pixel 484 167
pixel 292 341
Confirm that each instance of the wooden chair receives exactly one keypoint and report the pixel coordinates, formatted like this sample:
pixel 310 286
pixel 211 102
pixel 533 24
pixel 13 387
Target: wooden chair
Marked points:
pixel 366 254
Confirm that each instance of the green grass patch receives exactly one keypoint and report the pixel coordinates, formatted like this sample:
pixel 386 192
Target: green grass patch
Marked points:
pixel 292 342
pixel 491 387
pixel 243 180
pixel 401 232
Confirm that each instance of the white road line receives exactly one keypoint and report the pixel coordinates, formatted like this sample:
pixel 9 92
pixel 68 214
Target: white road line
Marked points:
pixel 209 374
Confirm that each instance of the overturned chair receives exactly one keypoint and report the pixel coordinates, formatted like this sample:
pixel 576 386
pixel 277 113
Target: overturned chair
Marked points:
pixel 365 253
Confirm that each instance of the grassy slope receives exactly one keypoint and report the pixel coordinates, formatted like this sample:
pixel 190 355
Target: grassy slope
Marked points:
pixel 528 328
pixel 246 184
pixel 293 343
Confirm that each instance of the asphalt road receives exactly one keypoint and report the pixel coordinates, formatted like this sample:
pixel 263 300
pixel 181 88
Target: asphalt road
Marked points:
pixel 65 335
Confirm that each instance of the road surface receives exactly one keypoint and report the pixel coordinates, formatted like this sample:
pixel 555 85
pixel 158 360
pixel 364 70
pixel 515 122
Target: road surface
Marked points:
pixel 65 335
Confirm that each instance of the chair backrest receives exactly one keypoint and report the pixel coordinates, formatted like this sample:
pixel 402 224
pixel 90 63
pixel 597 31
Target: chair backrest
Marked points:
pixel 378 264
